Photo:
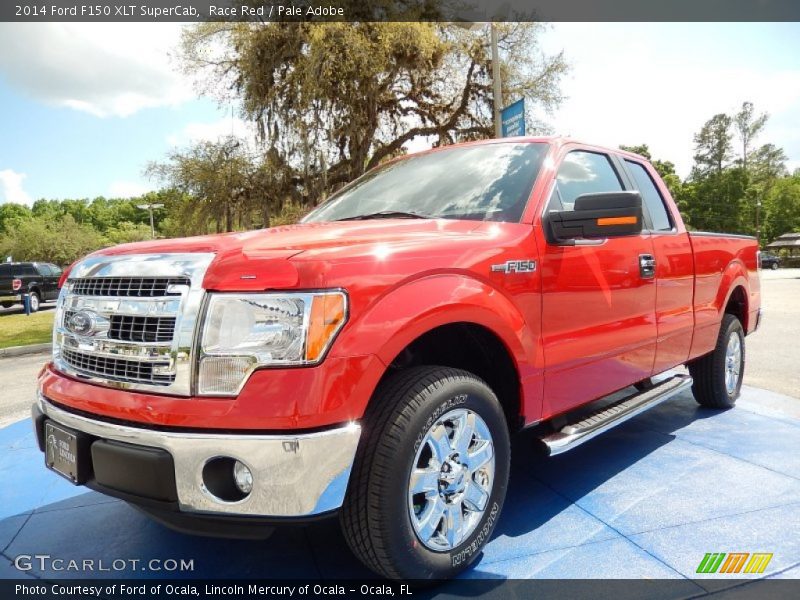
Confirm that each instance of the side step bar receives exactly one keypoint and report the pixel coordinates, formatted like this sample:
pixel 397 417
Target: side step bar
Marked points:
pixel 605 418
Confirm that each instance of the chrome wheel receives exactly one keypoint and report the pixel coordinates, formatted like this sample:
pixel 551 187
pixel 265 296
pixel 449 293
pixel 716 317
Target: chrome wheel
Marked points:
pixel 451 479
pixel 733 362
pixel 33 300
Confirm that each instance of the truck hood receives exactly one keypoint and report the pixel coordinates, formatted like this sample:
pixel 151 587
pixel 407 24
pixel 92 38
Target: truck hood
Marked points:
pixel 265 253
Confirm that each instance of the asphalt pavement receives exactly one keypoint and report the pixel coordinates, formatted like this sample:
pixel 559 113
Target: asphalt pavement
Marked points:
pixel 773 352
pixel 18 309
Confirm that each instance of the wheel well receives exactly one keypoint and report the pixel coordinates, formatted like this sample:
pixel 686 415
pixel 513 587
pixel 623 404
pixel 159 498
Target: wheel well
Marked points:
pixel 475 349
pixel 36 290
pixel 737 306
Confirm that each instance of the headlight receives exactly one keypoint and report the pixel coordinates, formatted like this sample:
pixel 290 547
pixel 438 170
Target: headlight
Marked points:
pixel 244 331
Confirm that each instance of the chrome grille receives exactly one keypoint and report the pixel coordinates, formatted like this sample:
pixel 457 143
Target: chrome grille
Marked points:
pixel 129 321
pixel 141 329
pixel 117 368
pixel 140 287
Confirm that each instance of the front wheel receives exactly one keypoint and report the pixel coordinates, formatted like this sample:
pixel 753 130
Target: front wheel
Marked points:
pixel 774 266
pixel 718 376
pixel 430 474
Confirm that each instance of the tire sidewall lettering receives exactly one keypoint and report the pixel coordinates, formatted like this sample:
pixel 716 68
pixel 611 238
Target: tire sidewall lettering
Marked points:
pixel 443 408
pixel 479 539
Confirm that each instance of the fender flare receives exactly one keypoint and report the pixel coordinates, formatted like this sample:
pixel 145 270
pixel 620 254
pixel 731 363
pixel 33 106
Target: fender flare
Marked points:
pixel 735 275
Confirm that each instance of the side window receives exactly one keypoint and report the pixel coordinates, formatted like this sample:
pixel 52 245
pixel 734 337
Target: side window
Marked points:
pixel 650 196
pixel 28 269
pixel 55 271
pixel 44 270
pixel 583 172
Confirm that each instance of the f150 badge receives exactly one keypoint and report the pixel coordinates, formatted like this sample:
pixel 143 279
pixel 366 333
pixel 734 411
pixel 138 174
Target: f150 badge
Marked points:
pixel 515 266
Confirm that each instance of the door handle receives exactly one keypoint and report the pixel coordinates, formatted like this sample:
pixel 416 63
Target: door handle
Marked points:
pixel 647 266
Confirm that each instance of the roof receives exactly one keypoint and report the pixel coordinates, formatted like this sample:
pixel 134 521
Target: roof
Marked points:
pixel 556 140
pixel 787 240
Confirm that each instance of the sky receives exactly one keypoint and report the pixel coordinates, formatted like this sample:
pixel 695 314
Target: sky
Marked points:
pixel 85 107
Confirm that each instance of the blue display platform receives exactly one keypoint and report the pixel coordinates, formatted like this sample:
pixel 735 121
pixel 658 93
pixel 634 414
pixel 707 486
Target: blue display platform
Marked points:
pixel 646 500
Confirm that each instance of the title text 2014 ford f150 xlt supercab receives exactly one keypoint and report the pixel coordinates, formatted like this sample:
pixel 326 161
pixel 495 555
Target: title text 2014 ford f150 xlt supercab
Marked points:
pixel 374 359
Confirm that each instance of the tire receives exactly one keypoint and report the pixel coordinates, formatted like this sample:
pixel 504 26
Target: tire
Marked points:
pixel 774 266
pixel 384 523
pixel 718 375
pixel 34 301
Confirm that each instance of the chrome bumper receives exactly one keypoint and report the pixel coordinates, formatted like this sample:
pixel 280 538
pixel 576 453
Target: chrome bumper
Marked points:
pixel 293 475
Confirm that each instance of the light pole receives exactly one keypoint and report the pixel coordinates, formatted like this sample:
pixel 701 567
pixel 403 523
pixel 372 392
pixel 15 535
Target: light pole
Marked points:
pixel 150 206
pixel 497 86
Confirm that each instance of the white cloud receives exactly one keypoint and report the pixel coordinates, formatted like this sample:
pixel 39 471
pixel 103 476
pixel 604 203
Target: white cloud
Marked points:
pixel 11 188
pixel 127 189
pixel 213 131
pixel 105 69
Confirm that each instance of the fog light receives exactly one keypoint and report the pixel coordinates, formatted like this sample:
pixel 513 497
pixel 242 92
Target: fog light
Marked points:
pixel 243 477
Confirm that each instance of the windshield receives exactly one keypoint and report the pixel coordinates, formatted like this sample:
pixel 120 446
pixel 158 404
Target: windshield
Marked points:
pixel 488 182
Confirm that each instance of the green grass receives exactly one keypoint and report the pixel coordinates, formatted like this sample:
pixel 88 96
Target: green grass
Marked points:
pixel 21 330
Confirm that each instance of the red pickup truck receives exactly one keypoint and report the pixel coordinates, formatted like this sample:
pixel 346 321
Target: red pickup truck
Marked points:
pixel 373 360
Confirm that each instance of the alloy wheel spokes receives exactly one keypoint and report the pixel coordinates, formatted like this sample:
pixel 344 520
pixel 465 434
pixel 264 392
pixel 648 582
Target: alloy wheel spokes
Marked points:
pixel 451 481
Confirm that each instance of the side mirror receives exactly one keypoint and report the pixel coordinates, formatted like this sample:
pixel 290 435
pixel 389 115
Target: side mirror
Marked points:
pixel 607 214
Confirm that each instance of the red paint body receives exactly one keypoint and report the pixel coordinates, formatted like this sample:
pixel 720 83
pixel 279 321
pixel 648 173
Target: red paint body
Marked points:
pixel 583 325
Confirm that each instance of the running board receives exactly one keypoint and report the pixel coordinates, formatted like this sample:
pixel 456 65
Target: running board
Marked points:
pixel 603 419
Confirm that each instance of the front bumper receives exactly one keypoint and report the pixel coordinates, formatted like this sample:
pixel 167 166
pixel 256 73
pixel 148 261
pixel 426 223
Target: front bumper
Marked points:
pixel 300 475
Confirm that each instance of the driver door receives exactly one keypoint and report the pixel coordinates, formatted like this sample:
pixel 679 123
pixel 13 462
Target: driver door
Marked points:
pixel 598 309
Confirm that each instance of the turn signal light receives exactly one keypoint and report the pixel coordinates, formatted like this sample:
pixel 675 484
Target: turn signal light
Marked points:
pixel 617 221
pixel 327 315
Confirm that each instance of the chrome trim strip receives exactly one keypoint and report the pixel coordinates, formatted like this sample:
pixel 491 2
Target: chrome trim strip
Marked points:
pixel 184 307
pixel 293 475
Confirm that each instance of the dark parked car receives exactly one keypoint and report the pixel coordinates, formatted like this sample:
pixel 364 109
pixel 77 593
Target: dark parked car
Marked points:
pixel 40 280
pixel 770 261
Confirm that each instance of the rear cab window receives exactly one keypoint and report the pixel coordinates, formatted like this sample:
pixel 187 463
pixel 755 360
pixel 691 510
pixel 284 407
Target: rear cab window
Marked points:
pixel 653 202
pixel 16 270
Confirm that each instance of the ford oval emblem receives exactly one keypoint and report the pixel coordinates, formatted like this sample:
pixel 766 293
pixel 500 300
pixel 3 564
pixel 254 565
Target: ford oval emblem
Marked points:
pixel 81 323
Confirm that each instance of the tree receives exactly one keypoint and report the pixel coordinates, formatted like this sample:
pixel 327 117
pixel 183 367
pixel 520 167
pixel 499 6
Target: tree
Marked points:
pixel 782 208
pixel 331 100
pixel 665 168
pixel 748 126
pixel 221 182
pixel 48 239
pixel 11 213
pixel 713 146
pixel 767 163
pixel 715 202
pixel 125 232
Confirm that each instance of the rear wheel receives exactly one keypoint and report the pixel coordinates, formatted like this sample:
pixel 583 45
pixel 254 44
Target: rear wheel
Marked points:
pixel 774 266
pixel 430 475
pixel 718 375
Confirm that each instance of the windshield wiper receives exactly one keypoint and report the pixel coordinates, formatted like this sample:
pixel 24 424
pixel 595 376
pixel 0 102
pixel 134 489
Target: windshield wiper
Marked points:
pixel 385 214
